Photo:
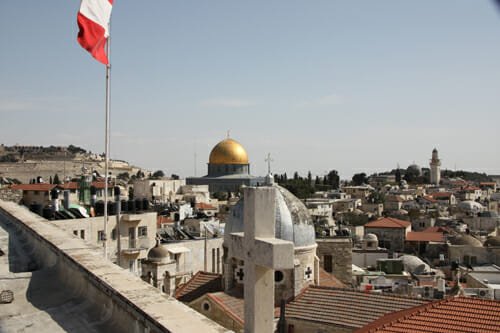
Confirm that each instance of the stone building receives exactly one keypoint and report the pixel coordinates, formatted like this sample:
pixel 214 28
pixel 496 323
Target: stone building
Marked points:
pixel 391 232
pixel 137 235
pixel 335 256
pixel 228 169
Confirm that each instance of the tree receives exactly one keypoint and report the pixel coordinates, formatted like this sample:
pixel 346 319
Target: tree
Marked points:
pixel 174 176
pixel 309 177
pixel 158 174
pixel 295 175
pixel 123 176
pixel 333 179
pixel 56 179
pixel 359 179
pixel 50 180
pixel 398 175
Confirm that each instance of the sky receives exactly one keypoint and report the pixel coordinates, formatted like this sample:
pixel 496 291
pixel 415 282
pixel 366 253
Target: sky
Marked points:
pixel 355 86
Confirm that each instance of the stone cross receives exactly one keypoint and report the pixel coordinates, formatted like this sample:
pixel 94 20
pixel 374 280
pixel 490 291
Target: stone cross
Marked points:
pixel 262 254
pixel 269 160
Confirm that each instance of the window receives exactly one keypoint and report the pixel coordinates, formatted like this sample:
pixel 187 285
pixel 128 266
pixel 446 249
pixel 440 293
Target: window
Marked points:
pixel 327 263
pixel 213 260
pixel 113 234
pixel 206 306
pixel 82 234
pixel 142 231
pixel 100 236
pixel 75 232
pixel 278 276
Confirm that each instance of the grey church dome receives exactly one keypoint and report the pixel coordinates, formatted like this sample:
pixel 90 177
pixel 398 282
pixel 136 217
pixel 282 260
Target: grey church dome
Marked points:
pixel 158 253
pixel 293 222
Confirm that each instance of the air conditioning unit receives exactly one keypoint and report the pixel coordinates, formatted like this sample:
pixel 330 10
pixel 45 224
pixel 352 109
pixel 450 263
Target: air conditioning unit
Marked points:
pixel 485 293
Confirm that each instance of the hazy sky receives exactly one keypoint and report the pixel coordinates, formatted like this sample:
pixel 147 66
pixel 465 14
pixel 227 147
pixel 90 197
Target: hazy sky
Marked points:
pixel 347 85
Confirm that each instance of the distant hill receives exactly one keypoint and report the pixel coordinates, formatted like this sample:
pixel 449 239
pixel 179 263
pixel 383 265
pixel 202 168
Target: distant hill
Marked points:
pixel 19 153
pixel 24 163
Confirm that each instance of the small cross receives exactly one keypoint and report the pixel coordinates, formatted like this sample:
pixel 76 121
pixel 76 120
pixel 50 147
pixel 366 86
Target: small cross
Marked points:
pixel 308 273
pixel 240 274
pixel 228 132
pixel 269 160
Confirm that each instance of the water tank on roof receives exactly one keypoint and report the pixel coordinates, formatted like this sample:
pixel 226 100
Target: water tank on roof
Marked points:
pixel 48 213
pixel 111 208
pixel 131 206
pixel 37 209
pixel 124 204
pixel 145 204
pixel 138 205
pixel 99 208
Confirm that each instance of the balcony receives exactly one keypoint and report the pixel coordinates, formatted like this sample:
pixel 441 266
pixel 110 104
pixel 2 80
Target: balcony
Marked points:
pixel 131 218
pixel 135 246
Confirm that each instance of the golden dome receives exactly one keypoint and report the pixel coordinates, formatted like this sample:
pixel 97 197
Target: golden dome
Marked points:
pixel 228 151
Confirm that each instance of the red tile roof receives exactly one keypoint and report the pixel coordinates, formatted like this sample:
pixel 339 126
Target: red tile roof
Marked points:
pixel 160 219
pixel 205 206
pixel 388 222
pixel 441 195
pixel 33 187
pixel 70 186
pixel 452 315
pixel 423 236
pixel 429 198
pixel 329 280
pixel 234 306
pixel 200 284
pixel 347 308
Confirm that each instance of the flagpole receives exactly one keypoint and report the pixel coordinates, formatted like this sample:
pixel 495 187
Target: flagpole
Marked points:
pixel 106 143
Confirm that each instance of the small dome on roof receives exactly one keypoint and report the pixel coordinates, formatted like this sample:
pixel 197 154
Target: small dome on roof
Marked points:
pixel 492 241
pixel 370 237
pixel 469 205
pixel 465 240
pixel 158 253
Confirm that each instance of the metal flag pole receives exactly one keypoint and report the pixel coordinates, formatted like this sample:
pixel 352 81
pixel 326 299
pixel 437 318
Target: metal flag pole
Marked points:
pixel 106 143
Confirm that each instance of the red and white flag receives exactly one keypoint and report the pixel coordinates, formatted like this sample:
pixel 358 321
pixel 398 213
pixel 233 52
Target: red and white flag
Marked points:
pixel 93 21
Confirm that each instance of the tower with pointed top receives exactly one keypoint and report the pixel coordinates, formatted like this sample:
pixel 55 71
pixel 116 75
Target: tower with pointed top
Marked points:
pixel 435 165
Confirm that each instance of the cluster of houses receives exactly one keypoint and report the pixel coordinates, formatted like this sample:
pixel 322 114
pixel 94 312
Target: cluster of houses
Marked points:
pixel 413 248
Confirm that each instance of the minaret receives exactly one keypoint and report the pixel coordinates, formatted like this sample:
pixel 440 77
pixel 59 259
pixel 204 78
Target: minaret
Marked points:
pixel 435 168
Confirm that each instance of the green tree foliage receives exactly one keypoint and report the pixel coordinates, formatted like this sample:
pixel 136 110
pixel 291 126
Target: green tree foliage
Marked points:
pixel 467 175
pixel 56 179
pixel 398 175
pixel 123 176
pixel 158 174
pixel 304 187
pixel 333 179
pixel 377 197
pixel 359 179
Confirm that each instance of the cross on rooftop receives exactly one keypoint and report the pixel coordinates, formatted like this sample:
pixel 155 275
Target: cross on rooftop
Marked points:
pixel 308 273
pixel 269 160
pixel 262 254
pixel 240 274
